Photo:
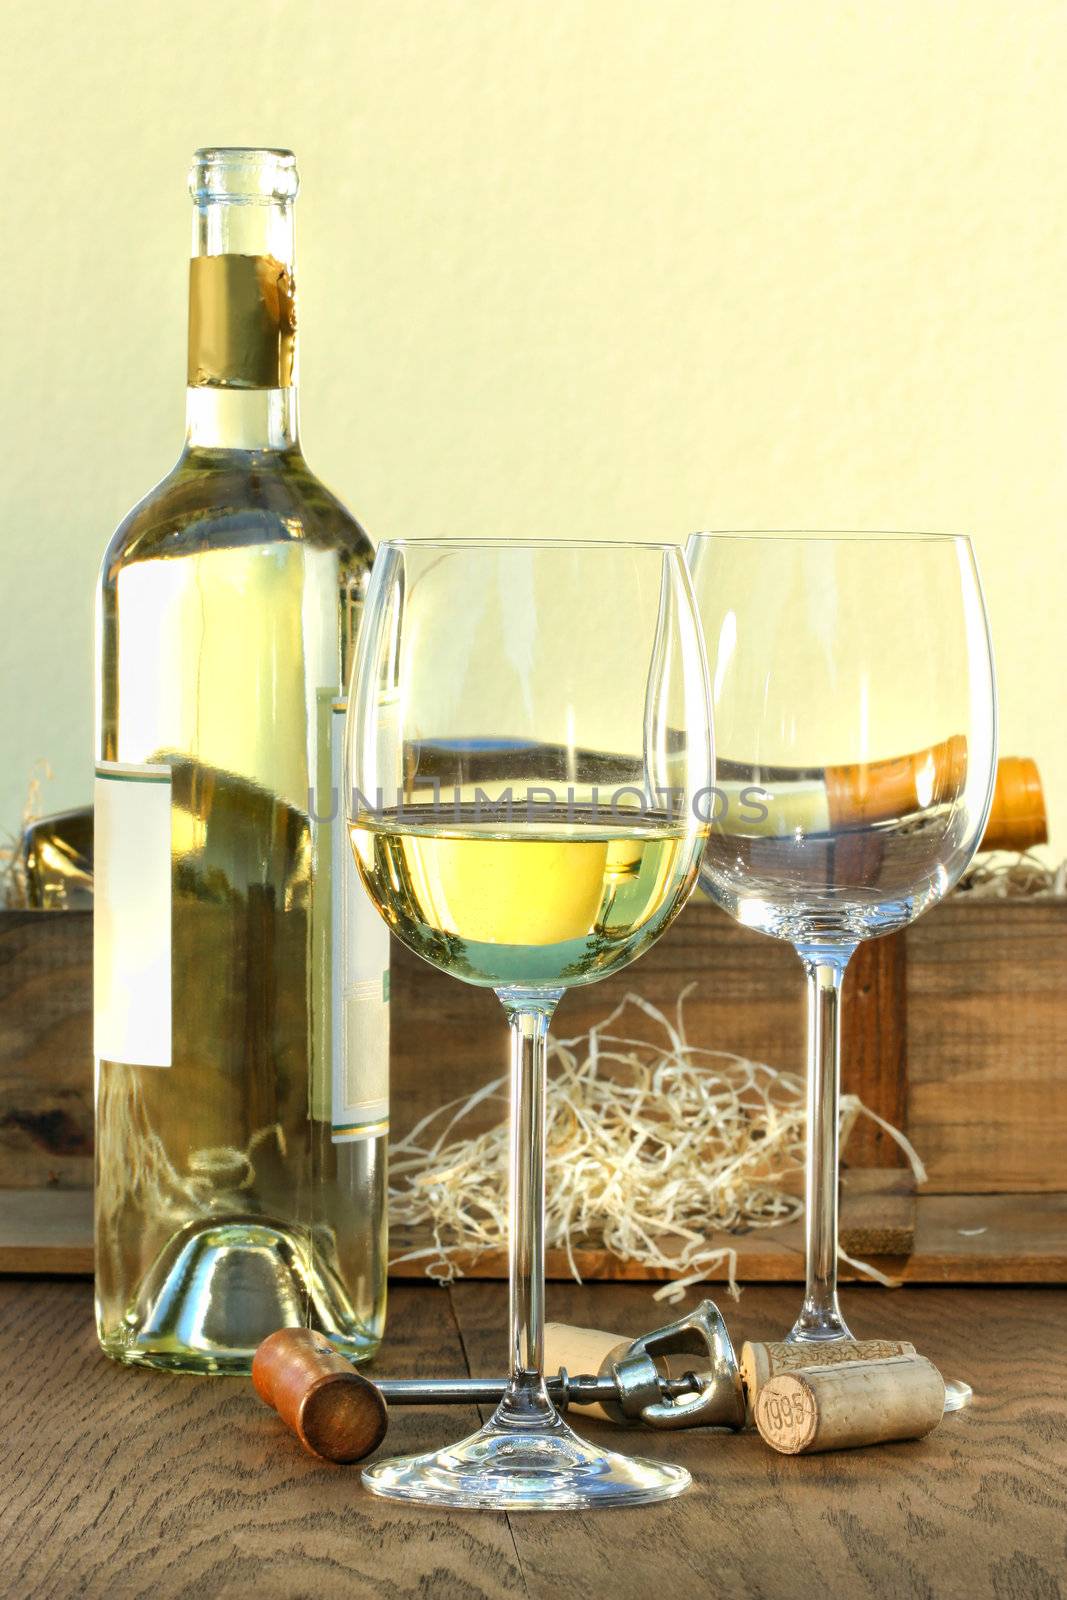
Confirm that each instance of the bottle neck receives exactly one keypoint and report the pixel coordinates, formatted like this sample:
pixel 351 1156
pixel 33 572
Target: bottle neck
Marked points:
pixel 241 419
pixel 241 392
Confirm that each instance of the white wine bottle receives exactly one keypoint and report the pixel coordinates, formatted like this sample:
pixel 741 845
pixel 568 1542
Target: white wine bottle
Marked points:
pixel 241 975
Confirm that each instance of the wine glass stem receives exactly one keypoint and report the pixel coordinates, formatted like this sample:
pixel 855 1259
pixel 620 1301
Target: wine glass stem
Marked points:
pixel 821 1316
pixel 529 1015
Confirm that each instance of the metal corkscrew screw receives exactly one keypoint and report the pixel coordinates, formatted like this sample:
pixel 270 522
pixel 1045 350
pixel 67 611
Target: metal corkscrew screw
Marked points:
pixel 564 1389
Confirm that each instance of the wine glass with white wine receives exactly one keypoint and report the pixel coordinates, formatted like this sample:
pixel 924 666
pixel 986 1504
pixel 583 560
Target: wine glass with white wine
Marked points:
pixel 528 736
pixel 855 716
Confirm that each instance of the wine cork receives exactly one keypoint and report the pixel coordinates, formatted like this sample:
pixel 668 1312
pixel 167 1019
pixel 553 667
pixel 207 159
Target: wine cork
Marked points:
pixel 334 1412
pixel 588 1351
pixel 873 791
pixel 855 1403
pixel 760 1362
pixel 1017 817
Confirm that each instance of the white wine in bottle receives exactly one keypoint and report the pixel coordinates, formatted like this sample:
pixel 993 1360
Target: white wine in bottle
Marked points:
pixel 241 975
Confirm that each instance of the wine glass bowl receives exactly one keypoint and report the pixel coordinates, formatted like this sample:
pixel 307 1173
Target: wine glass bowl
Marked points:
pixel 855 718
pixel 528 736
pixel 852 689
pixel 846 852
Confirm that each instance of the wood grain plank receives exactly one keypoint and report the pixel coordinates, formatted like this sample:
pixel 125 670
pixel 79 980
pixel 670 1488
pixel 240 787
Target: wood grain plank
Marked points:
pixel 155 1487
pixel 874 1047
pixel 958 1238
pixel 46 1064
pixel 47 1231
pixel 991 1137
pixel 977 1509
pixel 117 1483
pixel 984 994
pixel 987 1045
pixel 989 1238
pixel 877 1220
pixel 448 1038
pixel 877 1211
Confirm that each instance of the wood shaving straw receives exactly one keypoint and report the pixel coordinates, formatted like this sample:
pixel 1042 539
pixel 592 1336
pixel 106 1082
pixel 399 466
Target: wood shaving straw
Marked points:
pixel 651 1147
pixel 1014 878
pixel 13 895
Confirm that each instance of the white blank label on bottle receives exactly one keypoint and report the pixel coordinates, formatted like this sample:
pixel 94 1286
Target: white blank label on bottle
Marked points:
pixel 360 989
pixel 132 914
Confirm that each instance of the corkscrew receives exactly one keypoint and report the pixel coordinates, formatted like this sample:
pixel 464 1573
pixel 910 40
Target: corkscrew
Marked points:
pixel 339 1414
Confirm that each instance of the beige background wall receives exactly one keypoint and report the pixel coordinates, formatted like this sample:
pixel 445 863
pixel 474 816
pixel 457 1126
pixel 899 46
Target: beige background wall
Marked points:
pixel 601 267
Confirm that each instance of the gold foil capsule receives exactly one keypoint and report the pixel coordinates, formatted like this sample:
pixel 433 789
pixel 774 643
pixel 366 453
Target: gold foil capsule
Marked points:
pixel 242 322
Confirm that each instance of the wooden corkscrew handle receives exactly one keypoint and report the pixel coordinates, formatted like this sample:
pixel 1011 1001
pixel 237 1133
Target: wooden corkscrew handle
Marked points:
pixel 334 1412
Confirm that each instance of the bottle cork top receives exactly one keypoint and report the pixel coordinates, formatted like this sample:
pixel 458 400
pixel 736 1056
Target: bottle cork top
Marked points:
pixel 1017 817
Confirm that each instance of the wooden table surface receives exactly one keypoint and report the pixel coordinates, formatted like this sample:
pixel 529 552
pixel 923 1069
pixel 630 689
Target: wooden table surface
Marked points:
pixel 119 1483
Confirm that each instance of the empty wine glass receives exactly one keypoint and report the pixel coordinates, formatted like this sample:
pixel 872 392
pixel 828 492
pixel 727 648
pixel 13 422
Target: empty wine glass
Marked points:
pixel 855 722
pixel 528 734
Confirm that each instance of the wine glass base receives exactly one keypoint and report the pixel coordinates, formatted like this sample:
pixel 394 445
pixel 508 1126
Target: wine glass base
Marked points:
pixel 818 1328
pixel 535 1468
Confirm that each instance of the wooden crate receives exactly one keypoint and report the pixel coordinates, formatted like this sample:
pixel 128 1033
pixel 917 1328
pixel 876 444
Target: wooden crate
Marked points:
pixel 955 1031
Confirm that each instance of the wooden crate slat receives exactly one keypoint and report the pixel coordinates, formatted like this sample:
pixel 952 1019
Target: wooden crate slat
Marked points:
pixel 874 1047
pixel 958 1239
pixel 982 987
pixel 987 1045
pixel 46 1058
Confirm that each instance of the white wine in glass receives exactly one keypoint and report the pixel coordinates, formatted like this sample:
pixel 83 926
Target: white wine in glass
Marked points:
pixel 558 899
pixel 528 738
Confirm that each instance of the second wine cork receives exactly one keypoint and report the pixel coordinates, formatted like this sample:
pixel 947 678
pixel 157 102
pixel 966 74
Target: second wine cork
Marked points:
pixel 759 1362
pixel 853 1404
pixel 584 1350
